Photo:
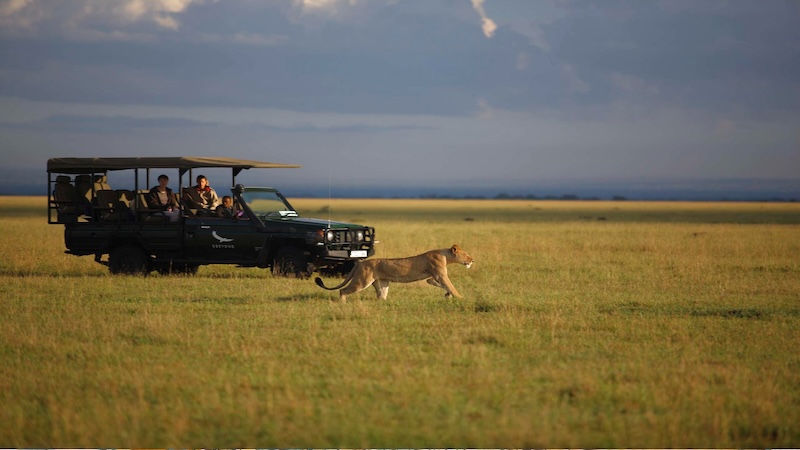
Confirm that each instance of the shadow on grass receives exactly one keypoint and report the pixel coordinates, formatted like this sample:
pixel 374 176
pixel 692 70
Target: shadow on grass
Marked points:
pixel 45 273
pixel 638 308
pixel 18 273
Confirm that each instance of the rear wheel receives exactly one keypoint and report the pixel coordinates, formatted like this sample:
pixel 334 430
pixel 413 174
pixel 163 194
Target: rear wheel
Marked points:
pixel 290 262
pixel 128 260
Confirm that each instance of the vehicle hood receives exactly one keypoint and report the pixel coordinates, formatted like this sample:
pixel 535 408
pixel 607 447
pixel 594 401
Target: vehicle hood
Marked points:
pixel 313 223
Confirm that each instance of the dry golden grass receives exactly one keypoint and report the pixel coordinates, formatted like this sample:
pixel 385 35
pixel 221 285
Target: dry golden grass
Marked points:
pixel 663 325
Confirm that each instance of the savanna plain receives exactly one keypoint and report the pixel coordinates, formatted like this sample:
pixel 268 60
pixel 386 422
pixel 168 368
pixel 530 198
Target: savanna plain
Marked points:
pixel 582 324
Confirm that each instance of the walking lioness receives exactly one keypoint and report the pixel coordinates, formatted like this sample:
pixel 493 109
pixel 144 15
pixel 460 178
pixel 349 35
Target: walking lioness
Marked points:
pixel 379 272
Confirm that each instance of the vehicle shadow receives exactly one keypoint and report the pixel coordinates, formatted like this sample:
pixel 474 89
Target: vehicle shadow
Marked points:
pixel 20 273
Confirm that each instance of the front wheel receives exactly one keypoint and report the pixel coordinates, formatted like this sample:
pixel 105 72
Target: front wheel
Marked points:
pixel 128 260
pixel 290 262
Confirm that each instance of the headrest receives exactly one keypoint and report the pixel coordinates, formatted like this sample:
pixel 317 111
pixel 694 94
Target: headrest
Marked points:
pixel 83 178
pixel 124 194
pixel 63 179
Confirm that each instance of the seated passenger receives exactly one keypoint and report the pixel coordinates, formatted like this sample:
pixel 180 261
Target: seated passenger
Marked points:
pixel 226 209
pixel 206 199
pixel 161 198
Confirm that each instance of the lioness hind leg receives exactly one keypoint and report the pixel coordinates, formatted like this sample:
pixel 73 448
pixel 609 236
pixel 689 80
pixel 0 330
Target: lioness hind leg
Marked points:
pixel 381 289
pixel 354 287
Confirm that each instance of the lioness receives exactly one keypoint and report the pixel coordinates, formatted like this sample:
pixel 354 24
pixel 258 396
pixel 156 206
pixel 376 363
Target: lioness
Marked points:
pixel 379 272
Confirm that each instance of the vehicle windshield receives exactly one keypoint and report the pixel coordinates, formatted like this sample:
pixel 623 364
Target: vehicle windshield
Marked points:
pixel 268 203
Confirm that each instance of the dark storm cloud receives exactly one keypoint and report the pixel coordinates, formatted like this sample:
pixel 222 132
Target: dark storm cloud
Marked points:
pixel 392 63
pixel 123 124
pixel 399 58
pixel 104 124
pixel 505 92
pixel 736 56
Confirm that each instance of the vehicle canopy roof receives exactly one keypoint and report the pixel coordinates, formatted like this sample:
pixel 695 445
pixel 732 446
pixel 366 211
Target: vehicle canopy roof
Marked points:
pixel 91 165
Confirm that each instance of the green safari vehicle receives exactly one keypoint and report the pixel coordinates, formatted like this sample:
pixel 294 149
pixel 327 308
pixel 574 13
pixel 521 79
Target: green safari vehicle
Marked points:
pixel 137 238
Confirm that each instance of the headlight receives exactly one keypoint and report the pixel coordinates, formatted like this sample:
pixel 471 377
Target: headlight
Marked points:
pixel 330 235
pixel 359 235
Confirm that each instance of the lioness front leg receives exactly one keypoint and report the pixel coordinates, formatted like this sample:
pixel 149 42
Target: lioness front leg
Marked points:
pixel 381 289
pixel 433 282
pixel 441 281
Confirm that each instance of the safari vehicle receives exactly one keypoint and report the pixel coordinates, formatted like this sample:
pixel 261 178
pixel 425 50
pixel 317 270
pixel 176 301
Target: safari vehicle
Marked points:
pixel 267 233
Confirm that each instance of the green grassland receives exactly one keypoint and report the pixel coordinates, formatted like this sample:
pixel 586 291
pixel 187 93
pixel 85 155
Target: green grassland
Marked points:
pixel 583 324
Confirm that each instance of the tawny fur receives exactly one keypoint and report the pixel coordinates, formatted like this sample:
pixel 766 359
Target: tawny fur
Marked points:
pixel 379 272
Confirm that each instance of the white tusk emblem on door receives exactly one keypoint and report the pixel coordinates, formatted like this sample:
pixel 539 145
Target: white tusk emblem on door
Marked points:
pixel 220 238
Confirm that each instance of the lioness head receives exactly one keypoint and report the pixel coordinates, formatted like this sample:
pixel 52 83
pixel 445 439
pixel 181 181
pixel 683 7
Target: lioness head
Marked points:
pixel 461 256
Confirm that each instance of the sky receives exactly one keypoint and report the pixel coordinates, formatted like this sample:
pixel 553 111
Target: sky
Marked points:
pixel 426 95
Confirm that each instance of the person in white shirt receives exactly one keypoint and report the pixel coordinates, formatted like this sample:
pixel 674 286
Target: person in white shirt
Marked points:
pixel 206 198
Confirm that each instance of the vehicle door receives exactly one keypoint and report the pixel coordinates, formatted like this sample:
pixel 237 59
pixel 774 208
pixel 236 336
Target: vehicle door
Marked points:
pixel 213 239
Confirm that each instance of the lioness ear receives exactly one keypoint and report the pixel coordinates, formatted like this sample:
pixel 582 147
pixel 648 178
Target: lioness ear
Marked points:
pixel 454 248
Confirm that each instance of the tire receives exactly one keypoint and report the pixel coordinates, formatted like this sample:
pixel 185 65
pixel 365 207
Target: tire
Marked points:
pixel 339 270
pixel 290 262
pixel 128 260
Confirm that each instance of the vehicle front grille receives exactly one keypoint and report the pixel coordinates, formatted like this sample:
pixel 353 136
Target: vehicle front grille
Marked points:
pixel 349 239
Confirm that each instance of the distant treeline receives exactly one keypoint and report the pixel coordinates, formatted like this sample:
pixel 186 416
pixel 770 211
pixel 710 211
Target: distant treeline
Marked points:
pixel 778 196
pixel 505 196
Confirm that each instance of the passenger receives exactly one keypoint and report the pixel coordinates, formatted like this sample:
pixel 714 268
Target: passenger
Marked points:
pixel 161 198
pixel 226 209
pixel 207 199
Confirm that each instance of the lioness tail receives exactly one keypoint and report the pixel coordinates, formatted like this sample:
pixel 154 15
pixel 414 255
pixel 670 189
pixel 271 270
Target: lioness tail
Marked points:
pixel 347 279
pixel 319 282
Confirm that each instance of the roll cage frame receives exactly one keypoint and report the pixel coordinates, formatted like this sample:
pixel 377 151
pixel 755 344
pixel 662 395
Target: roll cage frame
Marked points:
pixel 184 164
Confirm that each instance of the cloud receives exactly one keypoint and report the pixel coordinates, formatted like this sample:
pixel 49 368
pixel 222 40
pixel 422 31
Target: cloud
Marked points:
pixel 159 11
pixel 78 19
pixel 523 61
pixel 537 38
pixel 19 15
pixel 574 84
pixel 251 39
pixel 401 57
pixel 633 85
pixel 13 6
pixel 487 24
pixel 331 7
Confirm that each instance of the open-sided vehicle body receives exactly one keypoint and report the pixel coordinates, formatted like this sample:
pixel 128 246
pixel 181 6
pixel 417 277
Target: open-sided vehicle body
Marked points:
pixel 267 232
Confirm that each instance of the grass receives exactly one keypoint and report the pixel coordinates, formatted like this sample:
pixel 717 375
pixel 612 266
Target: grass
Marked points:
pixel 584 324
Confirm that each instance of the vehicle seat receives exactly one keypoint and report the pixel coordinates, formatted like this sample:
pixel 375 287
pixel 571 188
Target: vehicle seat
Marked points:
pixel 101 183
pixel 106 204
pixel 66 199
pixel 83 184
pixel 190 200
pixel 144 211
pixel 122 207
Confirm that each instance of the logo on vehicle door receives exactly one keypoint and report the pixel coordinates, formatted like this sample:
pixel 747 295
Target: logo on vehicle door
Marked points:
pixel 222 241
